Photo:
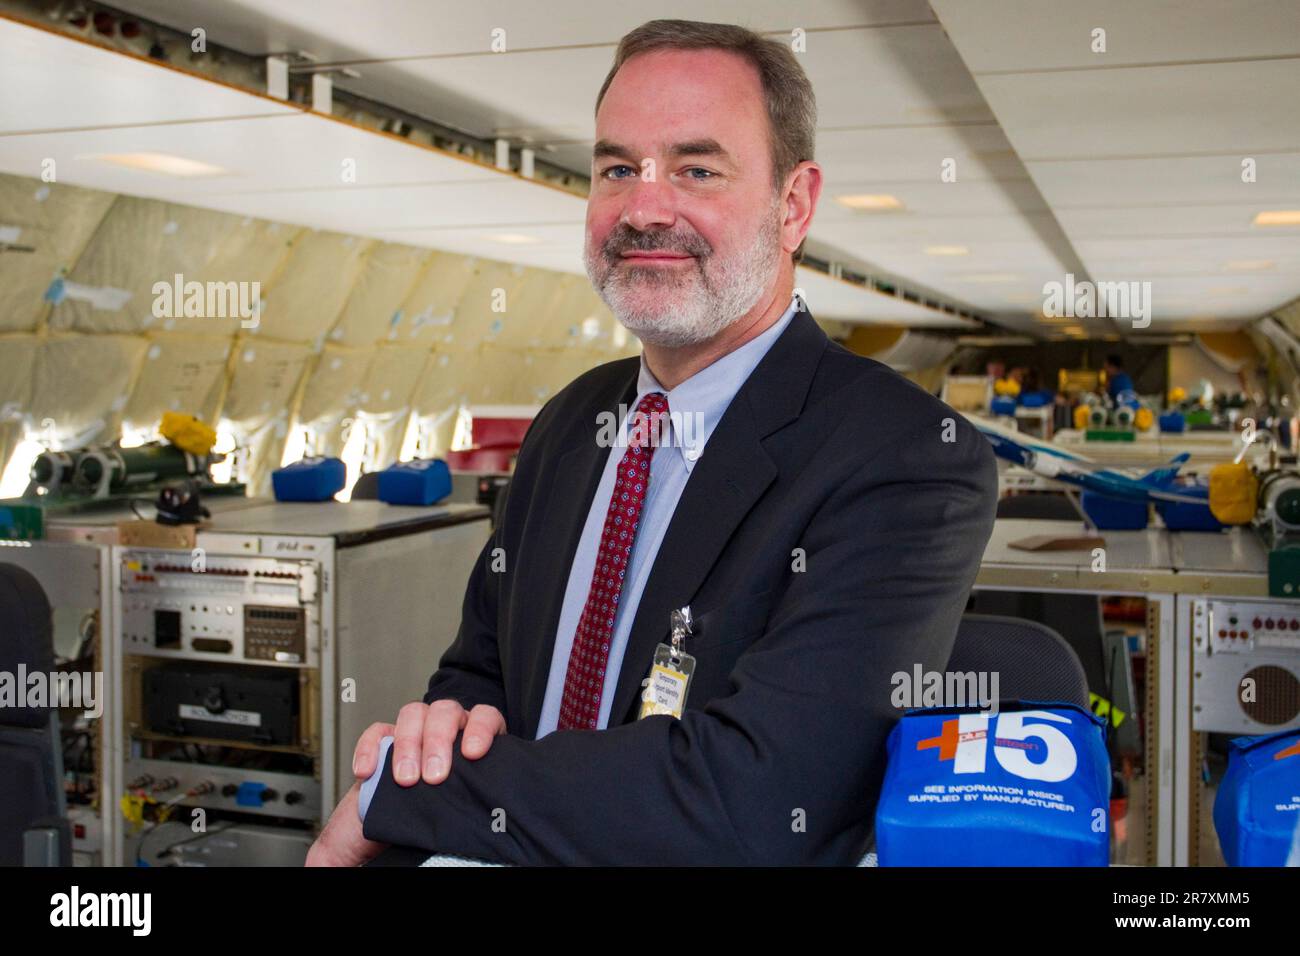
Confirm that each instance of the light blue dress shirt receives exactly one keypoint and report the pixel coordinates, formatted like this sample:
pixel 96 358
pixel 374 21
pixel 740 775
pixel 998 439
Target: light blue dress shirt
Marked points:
pixel 695 408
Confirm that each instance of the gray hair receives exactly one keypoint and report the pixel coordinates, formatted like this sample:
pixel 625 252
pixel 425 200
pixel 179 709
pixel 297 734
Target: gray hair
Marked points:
pixel 791 105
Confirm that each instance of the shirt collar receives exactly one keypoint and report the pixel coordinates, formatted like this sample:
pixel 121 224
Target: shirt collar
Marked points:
pixel 697 404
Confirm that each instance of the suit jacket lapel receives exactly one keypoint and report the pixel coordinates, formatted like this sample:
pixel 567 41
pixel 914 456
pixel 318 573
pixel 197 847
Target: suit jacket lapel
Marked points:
pixel 729 478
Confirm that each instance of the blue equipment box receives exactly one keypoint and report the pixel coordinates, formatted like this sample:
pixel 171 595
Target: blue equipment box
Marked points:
pixel 1172 423
pixel 1185 516
pixel 1257 808
pixel 1003 405
pixel 311 479
pixel 1113 514
pixel 1028 786
pixel 423 481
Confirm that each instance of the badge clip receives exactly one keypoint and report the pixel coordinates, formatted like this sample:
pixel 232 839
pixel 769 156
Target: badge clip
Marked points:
pixel 681 624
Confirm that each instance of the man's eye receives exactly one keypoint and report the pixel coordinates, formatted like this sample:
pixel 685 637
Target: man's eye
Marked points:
pixel 608 173
pixel 706 173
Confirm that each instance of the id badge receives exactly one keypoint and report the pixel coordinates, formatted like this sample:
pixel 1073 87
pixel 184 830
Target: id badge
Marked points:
pixel 669 680
pixel 670 674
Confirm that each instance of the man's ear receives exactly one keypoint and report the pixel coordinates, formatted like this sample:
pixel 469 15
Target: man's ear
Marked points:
pixel 803 189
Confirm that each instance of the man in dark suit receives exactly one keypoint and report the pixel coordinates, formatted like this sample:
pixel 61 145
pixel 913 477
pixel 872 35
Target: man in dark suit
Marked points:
pixel 821 517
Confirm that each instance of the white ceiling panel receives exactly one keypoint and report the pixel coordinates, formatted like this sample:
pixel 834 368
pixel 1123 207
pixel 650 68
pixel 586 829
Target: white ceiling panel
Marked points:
pixel 302 151
pixel 934 200
pixel 980 152
pixel 1023 36
pixel 1221 221
pixel 53 82
pixel 1144 183
pixel 921 231
pixel 1224 108
pixel 1196 255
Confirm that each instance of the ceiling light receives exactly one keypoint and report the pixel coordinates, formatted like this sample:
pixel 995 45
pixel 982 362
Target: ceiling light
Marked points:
pixel 163 163
pixel 1278 217
pixel 1250 265
pixel 872 202
pixel 946 251
pixel 514 238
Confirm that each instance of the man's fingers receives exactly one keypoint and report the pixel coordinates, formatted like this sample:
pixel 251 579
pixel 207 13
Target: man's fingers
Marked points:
pixel 365 756
pixel 441 724
pixel 423 738
pixel 485 722
pixel 407 739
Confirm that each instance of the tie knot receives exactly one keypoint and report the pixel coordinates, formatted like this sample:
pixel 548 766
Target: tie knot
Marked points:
pixel 648 421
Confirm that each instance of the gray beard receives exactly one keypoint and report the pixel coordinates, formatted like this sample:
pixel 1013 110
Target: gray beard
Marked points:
pixel 684 318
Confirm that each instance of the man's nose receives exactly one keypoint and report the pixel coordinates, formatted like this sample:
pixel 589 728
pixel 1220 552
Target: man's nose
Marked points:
pixel 650 205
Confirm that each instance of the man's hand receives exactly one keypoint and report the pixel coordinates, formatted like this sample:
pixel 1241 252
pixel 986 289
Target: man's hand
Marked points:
pixel 342 843
pixel 422 739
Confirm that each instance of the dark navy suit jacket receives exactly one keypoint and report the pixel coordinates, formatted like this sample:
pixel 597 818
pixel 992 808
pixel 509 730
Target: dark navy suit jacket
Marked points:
pixel 827 539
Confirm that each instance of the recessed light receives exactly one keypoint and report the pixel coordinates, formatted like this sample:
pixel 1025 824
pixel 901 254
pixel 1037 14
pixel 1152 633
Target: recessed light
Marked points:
pixel 872 202
pixel 946 251
pixel 1278 217
pixel 514 238
pixel 164 163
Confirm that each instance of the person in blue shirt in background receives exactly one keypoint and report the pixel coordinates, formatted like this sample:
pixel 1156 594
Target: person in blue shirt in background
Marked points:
pixel 1117 380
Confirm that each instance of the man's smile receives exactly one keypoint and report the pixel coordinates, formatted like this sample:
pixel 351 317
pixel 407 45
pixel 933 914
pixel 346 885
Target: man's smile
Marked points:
pixel 656 258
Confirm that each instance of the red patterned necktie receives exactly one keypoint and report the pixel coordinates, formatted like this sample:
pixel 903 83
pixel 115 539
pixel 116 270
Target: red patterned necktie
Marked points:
pixel 584 681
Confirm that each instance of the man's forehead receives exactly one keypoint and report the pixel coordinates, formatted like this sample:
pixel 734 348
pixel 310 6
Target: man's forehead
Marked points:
pixel 688 93
pixel 684 104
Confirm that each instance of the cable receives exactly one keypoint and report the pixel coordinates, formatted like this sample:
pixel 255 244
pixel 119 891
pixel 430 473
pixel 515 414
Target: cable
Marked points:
pixel 148 831
pixel 158 824
pixel 198 836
